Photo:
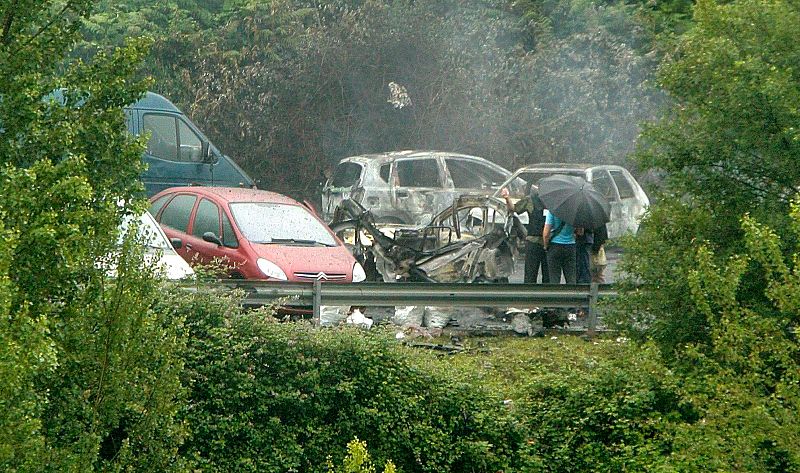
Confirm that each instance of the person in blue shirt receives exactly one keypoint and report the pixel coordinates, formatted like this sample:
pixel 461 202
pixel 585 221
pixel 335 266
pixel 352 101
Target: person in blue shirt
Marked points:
pixel 558 238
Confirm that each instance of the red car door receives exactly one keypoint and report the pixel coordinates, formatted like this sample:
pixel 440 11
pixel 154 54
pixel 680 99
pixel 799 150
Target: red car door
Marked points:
pixel 213 239
pixel 174 219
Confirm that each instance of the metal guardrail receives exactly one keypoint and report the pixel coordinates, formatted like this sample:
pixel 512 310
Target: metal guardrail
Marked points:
pixel 440 294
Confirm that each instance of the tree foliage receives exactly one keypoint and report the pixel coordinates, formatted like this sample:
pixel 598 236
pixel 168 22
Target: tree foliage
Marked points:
pixel 733 140
pixel 89 374
pixel 746 387
pixel 729 146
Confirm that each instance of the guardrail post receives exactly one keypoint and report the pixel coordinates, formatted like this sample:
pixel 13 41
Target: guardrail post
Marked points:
pixel 317 291
pixel 593 291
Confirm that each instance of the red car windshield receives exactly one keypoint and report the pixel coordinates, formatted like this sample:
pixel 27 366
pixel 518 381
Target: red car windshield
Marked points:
pixel 263 222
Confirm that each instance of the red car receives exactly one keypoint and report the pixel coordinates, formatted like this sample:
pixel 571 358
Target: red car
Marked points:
pixel 256 234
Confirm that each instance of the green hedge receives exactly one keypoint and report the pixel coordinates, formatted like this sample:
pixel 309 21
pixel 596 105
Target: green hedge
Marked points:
pixel 282 397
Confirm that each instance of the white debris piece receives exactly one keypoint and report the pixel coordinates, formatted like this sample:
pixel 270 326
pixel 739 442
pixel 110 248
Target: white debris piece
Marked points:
pixel 398 96
pixel 330 316
pixel 436 317
pixel 358 318
pixel 408 316
pixel 521 324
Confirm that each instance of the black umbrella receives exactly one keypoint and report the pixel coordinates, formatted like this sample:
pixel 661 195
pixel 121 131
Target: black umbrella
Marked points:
pixel 574 201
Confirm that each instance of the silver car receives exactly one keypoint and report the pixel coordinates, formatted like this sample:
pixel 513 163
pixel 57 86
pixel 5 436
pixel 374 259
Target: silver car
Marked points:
pixel 628 200
pixel 409 187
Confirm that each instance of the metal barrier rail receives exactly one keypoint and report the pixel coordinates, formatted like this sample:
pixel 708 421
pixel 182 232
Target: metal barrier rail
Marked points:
pixel 440 294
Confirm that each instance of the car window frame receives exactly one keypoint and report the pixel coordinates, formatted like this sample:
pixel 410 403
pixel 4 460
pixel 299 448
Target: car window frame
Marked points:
pixel 198 136
pixel 196 212
pixel 177 121
pixel 145 129
pixel 627 181
pixel 594 172
pixel 164 199
pixel 343 164
pixel 224 217
pixel 160 217
pixel 439 173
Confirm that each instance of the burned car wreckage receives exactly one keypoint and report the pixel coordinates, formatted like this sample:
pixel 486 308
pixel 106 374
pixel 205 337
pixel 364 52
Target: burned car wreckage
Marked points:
pixel 473 240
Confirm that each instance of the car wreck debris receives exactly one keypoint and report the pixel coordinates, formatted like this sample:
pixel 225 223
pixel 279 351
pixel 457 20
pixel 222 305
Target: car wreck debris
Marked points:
pixel 474 240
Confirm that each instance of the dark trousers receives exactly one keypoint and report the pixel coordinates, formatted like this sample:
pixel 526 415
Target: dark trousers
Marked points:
pixel 561 259
pixel 582 262
pixel 535 258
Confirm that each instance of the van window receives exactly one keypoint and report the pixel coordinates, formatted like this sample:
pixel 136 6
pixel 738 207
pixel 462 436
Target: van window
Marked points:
pixel 346 174
pixel 602 182
pixel 191 146
pixel 206 219
pixel 624 187
pixel 172 139
pixel 176 213
pixel 418 173
pixel 163 136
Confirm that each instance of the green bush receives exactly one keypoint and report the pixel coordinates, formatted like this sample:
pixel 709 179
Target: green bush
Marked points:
pixel 268 396
pixel 746 387
pixel 608 405
pixel 358 460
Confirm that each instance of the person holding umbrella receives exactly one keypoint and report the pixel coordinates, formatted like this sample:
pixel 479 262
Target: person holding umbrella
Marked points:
pixel 572 202
pixel 558 238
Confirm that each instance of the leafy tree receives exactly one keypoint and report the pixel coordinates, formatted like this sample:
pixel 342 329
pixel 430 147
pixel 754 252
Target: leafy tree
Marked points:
pixel 732 140
pixel 89 374
pixel 729 146
pixel 746 387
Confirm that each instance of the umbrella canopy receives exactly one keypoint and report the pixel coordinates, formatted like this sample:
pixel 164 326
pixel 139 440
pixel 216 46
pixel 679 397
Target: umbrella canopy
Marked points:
pixel 574 201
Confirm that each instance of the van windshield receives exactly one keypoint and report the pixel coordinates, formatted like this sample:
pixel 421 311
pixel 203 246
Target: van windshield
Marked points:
pixel 264 222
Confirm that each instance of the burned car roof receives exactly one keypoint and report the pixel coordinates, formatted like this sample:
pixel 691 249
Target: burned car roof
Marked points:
pixel 392 155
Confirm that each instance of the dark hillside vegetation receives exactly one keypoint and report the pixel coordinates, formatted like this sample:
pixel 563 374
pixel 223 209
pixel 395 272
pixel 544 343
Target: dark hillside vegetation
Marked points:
pixel 288 88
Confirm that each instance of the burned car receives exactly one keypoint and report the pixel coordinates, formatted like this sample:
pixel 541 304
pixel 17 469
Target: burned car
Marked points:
pixel 473 240
pixel 409 187
pixel 628 200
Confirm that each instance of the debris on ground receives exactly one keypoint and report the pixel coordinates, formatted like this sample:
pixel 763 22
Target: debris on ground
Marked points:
pixel 358 319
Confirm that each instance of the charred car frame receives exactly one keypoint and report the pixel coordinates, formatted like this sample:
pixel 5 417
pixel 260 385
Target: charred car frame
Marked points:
pixel 473 240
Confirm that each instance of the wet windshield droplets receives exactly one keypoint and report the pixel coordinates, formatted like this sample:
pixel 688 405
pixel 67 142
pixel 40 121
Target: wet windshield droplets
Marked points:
pixel 262 222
